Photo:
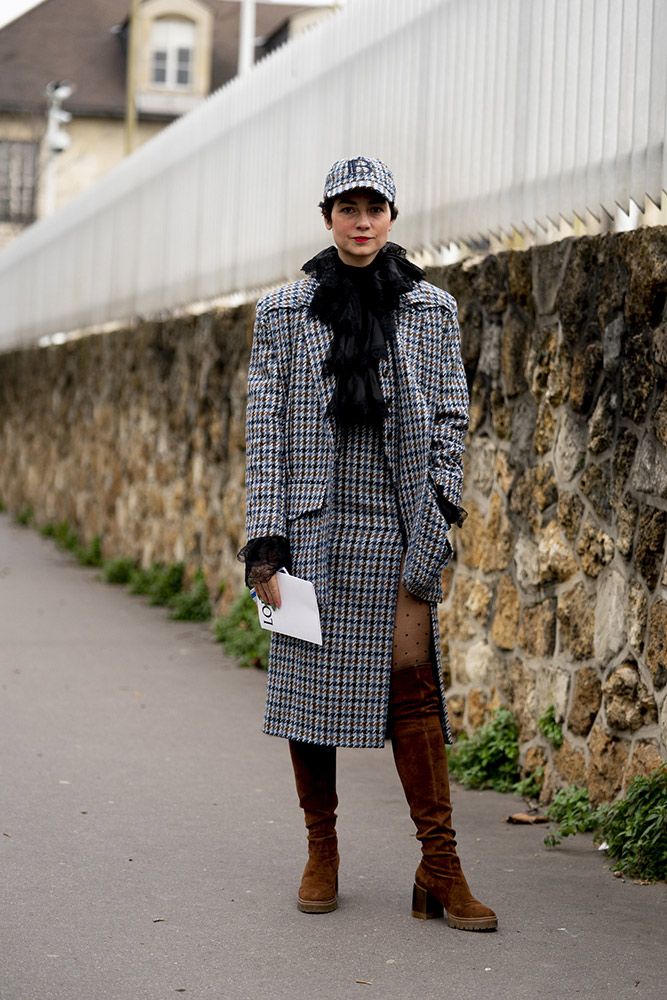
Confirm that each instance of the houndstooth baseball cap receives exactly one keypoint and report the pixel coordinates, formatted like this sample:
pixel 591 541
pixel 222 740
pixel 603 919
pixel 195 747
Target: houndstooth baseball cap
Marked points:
pixel 360 172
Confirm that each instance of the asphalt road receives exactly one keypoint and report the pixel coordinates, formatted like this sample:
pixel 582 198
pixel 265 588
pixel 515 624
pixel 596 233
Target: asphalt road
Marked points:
pixel 152 845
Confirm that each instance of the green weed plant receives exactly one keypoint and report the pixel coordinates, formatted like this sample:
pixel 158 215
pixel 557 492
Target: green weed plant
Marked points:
pixel 635 828
pixel 118 571
pixel 550 729
pixel 490 757
pixel 25 515
pixel 90 554
pixel 193 605
pixel 64 536
pixel 158 583
pixel 573 813
pixel 142 579
pixel 241 634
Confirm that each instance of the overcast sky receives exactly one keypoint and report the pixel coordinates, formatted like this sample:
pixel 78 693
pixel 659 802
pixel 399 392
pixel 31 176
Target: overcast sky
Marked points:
pixel 10 9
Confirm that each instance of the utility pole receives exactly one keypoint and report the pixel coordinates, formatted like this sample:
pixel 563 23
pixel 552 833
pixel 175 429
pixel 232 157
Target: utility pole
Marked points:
pixel 130 78
pixel 246 37
pixel 57 140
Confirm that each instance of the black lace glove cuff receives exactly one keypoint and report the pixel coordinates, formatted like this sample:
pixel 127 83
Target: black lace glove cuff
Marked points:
pixel 452 513
pixel 263 556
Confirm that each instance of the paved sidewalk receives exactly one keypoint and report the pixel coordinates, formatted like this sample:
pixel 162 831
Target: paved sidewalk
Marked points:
pixel 152 846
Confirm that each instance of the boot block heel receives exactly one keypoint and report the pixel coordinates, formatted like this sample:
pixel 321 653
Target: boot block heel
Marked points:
pixel 424 905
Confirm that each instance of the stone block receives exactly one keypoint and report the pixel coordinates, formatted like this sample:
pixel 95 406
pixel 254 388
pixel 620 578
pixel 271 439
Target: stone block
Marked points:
pixel 535 758
pixel 637 377
pixel 479 664
pixel 477 708
pixel 504 471
pixel 608 758
pixel 545 429
pixel 478 402
pixel 490 285
pixel 555 560
pixel 520 279
pixel 576 614
pixel 595 484
pixel 637 615
pixel 540 359
pixel 601 424
pixel 626 521
pixel 489 358
pixel 660 348
pixel 457 666
pixel 628 703
pixel 497 538
pixel 586 367
pixel 650 544
pixel 659 420
pixel 471 535
pixel 534 491
pixel 459 625
pixel 656 653
pixel 514 347
pixel 518 688
pixel 570 764
pixel 595 549
pixel 570 510
pixel 586 701
pixel 650 470
pixel 552 685
pixel 526 561
pixel 549 266
pixel 558 382
pixel 537 634
pixel 478 602
pixel 456 706
pixel 573 299
pixel 624 454
pixel 480 457
pixel 570 447
pixel 645 759
pixel 522 430
pixel 501 415
pixel 612 339
pixel 644 254
pixel 506 618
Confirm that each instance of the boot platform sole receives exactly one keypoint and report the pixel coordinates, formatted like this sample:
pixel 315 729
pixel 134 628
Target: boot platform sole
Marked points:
pixel 317 905
pixel 426 907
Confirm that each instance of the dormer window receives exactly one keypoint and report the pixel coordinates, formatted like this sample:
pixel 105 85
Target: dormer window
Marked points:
pixel 172 53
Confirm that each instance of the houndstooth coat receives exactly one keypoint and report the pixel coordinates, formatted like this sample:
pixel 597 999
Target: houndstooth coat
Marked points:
pixel 289 479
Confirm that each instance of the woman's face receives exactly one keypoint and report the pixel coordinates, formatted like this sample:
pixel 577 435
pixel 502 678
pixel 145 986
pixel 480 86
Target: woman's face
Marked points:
pixel 360 222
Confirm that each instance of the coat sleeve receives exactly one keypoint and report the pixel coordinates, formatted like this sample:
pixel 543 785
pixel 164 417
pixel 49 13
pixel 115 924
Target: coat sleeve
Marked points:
pixel 450 419
pixel 265 430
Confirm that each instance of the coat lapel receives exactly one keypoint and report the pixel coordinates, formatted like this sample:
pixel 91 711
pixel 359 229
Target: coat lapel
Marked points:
pixel 317 336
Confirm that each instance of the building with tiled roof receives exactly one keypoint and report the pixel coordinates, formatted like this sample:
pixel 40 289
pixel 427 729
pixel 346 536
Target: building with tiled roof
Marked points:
pixel 185 49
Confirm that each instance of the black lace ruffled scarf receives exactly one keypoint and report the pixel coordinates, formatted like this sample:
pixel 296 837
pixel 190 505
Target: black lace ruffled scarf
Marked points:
pixel 359 303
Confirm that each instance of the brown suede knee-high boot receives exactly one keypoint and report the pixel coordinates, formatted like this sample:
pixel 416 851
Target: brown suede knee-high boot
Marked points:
pixel 315 776
pixel 421 760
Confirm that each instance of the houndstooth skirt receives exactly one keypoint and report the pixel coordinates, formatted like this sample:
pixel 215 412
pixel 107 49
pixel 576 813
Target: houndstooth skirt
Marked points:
pixel 337 694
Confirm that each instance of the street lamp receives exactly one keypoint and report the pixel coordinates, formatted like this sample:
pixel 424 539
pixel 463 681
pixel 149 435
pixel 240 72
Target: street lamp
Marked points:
pixel 57 140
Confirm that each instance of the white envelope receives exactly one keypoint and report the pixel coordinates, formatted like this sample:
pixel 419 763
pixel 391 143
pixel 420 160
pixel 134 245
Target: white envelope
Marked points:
pixel 298 614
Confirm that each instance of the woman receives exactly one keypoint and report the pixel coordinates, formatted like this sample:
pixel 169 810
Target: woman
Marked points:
pixel 357 413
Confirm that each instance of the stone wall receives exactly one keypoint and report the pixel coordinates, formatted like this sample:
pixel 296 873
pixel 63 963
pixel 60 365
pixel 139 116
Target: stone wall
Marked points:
pixel 136 436
pixel 558 595
pixel 558 591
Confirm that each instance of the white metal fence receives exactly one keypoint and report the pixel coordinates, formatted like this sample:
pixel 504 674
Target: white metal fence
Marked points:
pixel 493 114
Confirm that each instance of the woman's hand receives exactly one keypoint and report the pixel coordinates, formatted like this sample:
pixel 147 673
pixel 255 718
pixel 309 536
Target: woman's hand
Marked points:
pixel 268 591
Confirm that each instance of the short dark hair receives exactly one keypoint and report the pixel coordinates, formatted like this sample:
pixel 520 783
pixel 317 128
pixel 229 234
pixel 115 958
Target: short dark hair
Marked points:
pixel 328 203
